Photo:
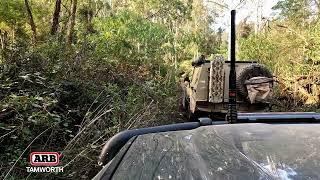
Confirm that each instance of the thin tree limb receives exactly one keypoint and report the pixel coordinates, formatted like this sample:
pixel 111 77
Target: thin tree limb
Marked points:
pixel 25 151
pixel 72 22
pixel 31 21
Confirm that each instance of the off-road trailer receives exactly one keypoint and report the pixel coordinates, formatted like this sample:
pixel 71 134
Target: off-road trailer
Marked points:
pixel 119 151
pixel 215 85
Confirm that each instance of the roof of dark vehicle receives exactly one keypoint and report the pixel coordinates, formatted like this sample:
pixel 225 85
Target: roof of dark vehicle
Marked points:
pixel 230 151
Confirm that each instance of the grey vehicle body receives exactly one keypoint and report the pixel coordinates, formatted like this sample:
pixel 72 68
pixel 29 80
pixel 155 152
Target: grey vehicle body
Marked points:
pixel 239 151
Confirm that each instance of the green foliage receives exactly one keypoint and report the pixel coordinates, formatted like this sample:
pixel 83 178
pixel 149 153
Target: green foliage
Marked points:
pixel 130 38
pixel 11 13
pixel 288 51
pixel 290 47
pixel 261 48
pixel 294 10
pixel 118 72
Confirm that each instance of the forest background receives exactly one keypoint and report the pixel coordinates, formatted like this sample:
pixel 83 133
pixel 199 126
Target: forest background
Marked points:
pixel 75 72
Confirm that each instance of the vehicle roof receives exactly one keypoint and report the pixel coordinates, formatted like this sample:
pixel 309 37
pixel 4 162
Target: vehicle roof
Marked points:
pixel 229 151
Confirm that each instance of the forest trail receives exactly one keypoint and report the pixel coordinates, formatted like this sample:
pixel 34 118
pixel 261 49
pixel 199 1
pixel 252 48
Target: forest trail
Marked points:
pixel 75 72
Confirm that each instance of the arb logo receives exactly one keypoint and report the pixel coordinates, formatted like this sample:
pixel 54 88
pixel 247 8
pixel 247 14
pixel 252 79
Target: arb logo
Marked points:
pixel 44 158
pixel 41 160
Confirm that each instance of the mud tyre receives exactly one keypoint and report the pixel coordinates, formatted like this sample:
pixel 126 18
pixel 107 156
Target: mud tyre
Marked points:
pixel 249 72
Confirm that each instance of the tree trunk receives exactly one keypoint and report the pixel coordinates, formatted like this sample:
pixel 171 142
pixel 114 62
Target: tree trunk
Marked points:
pixel 72 22
pixel 3 39
pixel 31 21
pixel 56 16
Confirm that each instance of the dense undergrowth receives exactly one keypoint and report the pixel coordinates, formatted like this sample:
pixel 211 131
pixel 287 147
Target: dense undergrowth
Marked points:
pixel 289 45
pixel 108 68
pixel 75 111
pixel 70 89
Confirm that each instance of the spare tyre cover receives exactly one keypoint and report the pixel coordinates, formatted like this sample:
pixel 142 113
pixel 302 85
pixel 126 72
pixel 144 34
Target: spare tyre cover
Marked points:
pixel 254 70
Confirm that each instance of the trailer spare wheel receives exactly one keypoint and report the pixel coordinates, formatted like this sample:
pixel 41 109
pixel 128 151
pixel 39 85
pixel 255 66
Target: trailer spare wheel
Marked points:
pixel 255 70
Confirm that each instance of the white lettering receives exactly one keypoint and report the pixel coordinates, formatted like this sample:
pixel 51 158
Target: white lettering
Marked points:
pixel 45 169
pixel 60 169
